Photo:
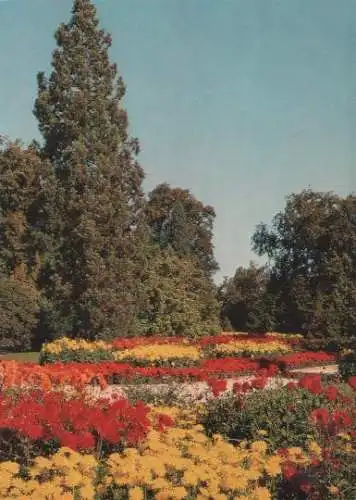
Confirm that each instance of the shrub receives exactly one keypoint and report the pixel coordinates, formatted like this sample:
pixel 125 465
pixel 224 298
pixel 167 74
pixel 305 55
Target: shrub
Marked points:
pixel 79 356
pixel 282 415
pixel 347 364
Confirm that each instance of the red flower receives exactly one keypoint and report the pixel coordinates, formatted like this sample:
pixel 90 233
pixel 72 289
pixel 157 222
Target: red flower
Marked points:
pixel 352 382
pixel 320 416
pixel 259 382
pixel 237 388
pixel 312 383
pixel 314 462
pixel 283 452
pixel 217 386
pixel 289 471
pixel 305 487
pixel 336 464
pixel 34 431
pixel 331 393
pixel 246 386
pixel 164 421
pixel 341 419
pixel 291 385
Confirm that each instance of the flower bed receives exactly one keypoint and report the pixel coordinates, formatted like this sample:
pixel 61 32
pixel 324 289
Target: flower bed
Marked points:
pixel 160 350
pixel 54 374
pixel 169 454
pixel 40 422
pixel 306 358
pixel 160 355
pixel 251 347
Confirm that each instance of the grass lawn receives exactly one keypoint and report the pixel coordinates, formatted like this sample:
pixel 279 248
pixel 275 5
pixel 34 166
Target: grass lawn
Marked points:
pixel 21 357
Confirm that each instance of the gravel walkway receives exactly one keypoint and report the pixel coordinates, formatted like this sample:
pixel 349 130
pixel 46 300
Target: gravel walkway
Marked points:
pixel 189 391
pixel 322 370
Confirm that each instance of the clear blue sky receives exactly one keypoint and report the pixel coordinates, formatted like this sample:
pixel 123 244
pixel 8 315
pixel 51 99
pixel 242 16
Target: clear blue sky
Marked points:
pixel 242 101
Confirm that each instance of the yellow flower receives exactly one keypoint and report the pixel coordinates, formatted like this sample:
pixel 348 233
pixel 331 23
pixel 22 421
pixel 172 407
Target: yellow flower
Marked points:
pixel 179 492
pixel 160 352
pixel 314 448
pixel 190 477
pixel 73 479
pixel 232 482
pixel 273 466
pixel 159 484
pixel 136 493
pixel 259 446
pixel 344 436
pixel 10 467
pixel 261 494
pixel 334 490
pixel 252 347
pixel 67 496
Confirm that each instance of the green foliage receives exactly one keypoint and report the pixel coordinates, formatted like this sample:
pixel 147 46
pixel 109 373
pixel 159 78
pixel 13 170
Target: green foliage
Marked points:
pixel 21 357
pixel 90 279
pixel 164 395
pixel 18 314
pixel 244 302
pixel 76 356
pixel 283 414
pixel 347 365
pixel 177 219
pixel 311 247
pixel 180 298
pixel 24 199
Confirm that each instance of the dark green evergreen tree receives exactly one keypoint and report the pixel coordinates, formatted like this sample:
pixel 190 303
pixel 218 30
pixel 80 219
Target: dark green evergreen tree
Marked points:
pixel 91 278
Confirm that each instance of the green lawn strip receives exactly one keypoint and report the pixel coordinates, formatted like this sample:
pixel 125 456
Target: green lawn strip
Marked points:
pixel 21 357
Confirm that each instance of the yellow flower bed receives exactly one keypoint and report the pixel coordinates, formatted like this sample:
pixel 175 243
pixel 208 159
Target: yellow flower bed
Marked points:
pixel 176 463
pixel 158 352
pixel 67 344
pixel 285 335
pixel 251 347
pixel 51 479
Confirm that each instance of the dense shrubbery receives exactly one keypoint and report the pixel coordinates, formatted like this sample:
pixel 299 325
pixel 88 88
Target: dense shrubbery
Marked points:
pixel 18 314
pixel 280 415
pixel 347 364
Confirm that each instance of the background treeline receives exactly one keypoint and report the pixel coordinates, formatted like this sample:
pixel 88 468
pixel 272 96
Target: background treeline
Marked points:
pixel 84 252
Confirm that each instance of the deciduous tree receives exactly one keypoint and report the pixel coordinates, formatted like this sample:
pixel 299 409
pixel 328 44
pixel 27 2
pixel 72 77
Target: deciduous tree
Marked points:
pixel 178 219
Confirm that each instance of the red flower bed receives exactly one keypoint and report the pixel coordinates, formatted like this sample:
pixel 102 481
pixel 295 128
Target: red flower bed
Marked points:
pixel 49 417
pixel 81 374
pixel 299 359
pixel 230 365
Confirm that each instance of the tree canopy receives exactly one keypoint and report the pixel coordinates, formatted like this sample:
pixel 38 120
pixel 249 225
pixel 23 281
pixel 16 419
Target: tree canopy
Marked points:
pixel 311 248
pixel 177 218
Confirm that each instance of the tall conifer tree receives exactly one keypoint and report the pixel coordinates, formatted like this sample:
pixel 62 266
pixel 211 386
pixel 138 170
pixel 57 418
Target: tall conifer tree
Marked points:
pixel 92 278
